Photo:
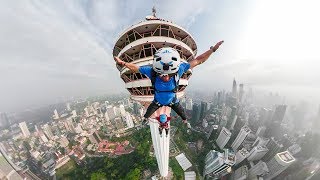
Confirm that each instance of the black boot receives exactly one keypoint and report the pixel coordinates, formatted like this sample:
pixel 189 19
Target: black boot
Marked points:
pixel 167 132
pixel 160 132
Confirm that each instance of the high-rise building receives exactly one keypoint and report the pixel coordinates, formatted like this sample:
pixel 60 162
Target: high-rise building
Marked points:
pixel 203 110
pixel 223 137
pixel 241 155
pixel 204 123
pixel 129 120
pixel 265 115
pixel 245 130
pixel 137 45
pixel 189 104
pixel 68 107
pixel 260 132
pixel 111 112
pixel 94 137
pixel 260 141
pixel 240 174
pixel 259 169
pixel 278 164
pixel 232 118
pixel 257 152
pixel 218 163
pixel 24 129
pixel 294 149
pixel 135 108
pixel 273 148
pixel 56 114
pixel 234 88
pixel 122 110
pixel 74 113
pixel 195 113
pixel 47 131
pixel 69 125
pixel 241 92
pixel 87 111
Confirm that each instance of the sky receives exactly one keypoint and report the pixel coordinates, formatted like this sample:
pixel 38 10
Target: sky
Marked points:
pixel 51 51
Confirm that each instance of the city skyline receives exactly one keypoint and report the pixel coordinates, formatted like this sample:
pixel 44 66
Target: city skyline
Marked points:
pixel 80 63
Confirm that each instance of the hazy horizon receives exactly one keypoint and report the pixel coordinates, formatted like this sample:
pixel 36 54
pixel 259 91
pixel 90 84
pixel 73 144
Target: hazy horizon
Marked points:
pixel 54 50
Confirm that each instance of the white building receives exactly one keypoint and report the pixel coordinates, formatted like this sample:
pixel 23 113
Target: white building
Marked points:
pixel 74 113
pixel 68 107
pixel 257 152
pixel 47 131
pixel 122 110
pixel 56 114
pixel 86 110
pixel 43 137
pixel 129 121
pixel 111 112
pixel 223 137
pixel 189 104
pixel 218 163
pixel 183 161
pixel 278 164
pixel 245 130
pixel 24 128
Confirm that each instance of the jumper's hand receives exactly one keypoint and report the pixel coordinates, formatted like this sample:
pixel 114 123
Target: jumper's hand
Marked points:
pixel 118 61
pixel 215 47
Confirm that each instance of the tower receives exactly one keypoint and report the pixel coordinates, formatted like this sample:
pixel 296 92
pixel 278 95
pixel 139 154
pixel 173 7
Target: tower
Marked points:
pixel 218 163
pixel 278 164
pixel 234 88
pixel 137 45
pixel 245 130
pixel 223 137
pixel 24 128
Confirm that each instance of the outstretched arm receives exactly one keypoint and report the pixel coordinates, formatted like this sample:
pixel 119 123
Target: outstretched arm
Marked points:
pixel 203 57
pixel 130 66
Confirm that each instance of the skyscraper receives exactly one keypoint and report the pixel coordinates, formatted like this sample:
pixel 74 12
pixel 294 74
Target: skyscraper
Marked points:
pixel 241 155
pixel 195 113
pixel 232 118
pixel 257 152
pixel 68 107
pixel 223 137
pixel 218 163
pixel 241 92
pixel 234 88
pixel 56 114
pixel 203 110
pixel 278 164
pixel 273 148
pixel 245 130
pixel 260 132
pixel 189 104
pixel 24 128
pixel 47 131
pixel 137 45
